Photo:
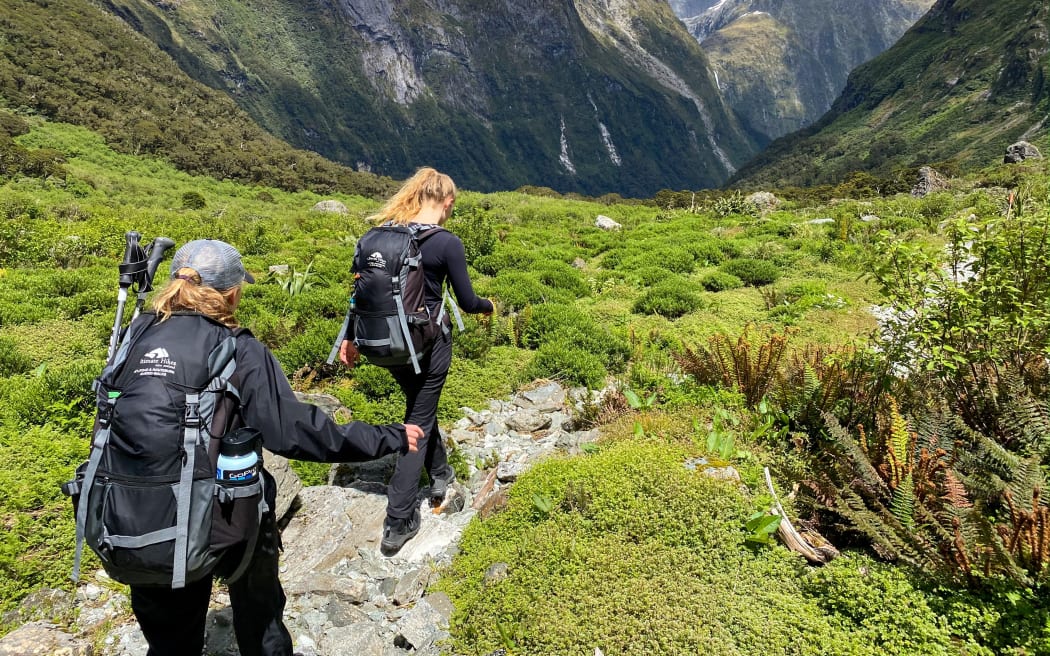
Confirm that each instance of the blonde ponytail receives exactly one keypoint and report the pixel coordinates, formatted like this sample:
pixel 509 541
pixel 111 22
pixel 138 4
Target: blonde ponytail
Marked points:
pixel 426 185
pixel 185 293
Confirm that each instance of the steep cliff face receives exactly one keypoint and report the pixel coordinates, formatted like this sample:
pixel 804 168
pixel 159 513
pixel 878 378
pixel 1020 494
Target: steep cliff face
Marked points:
pixel 780 64
pixel 970 78
pixel 589 96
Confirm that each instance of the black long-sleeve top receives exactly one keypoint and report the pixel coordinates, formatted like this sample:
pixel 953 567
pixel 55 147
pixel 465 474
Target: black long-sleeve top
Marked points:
pixel 300 430
pixel 445 259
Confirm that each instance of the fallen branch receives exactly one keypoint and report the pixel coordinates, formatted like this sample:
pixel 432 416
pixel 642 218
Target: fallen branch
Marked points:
pixel 820 554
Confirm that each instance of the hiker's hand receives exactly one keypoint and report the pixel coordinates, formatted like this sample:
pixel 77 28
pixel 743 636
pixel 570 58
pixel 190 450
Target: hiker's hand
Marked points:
pixel 413 434
pixel 348 354
pixel 489 313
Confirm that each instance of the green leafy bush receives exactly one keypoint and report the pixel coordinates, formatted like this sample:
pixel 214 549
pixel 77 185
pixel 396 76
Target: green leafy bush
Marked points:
pixel 719 281
pixel 193 200
pixel 474 226
pixel 12 361
pixel 754 273
pixel 505 258
pixel 647 276
pixel 561 276
pixel 558 323
pixel 670 298
pixel 563 360
pixel 517 290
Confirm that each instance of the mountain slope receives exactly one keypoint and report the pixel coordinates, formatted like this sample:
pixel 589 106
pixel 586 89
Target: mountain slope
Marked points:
pixel 780 64
pixel 581 96
pixel 73 62
pixel 967 80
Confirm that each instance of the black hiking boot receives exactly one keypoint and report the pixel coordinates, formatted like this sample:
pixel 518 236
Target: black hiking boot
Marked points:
pixel 439 484
pixel 396 532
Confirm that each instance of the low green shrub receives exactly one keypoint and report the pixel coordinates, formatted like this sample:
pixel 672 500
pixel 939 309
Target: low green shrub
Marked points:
pixel 647 276
pixel 505 258
pixel 597 547
pixel 563 360
pixel 561 276
pixel 719 281
pixel 12 361
pixel 669 298
pixel 193 200
pixel 754 273
pixel 518 289
pixel 475 227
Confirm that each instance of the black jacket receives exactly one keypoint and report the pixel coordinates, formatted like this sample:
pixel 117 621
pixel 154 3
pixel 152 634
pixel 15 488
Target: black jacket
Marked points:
pixel 300 430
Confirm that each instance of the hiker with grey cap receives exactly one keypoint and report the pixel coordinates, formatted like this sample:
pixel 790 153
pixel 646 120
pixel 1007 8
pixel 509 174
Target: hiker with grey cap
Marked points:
pixel 197 307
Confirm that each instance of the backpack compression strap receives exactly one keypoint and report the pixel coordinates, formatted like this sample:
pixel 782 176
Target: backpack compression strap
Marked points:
pixel 221 365
pixel 399 302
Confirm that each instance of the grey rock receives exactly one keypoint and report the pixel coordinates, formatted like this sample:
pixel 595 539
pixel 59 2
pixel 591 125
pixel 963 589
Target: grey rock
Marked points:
pixel 410 585
pixel 605 223
pixel 1020 151
pixel 333 206
pixel 42 639
pixel 343 588
pixel 508 472
pixel 423 626
pixel 362 639
pixel 763 200
pixel 288 482
pixel 929 181
pixel 528 421
pixel 496 572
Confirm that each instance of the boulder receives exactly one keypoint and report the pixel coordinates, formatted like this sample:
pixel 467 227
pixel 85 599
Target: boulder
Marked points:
pixel 332 206
pixel 1020 151
pixel 929 181
pixel 605 223
pixel 763 200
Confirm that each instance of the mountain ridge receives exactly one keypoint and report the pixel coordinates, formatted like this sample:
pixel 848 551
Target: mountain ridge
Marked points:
pixel 583 96
pixel 961 85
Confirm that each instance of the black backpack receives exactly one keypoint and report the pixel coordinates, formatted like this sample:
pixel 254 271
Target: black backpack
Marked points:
pixel 147 501
pixel 388 319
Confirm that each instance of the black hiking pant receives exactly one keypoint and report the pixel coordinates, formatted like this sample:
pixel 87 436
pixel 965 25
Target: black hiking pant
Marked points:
pixel 174 621
pixel 422 392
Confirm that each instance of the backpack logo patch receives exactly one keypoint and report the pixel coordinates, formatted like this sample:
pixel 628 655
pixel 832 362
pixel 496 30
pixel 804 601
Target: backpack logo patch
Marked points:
pixel 156 363
pixel 376 260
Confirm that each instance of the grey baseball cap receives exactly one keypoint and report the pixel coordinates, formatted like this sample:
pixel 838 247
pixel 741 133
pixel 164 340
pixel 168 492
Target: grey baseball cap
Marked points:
pixel 216 262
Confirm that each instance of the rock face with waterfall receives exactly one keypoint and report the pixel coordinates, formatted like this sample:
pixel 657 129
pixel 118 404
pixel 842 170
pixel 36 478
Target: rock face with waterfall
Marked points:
pixel 587 96
pixel 781 64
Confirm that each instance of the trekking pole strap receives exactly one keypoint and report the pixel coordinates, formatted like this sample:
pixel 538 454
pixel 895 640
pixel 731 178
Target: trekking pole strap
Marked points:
pixel 339 339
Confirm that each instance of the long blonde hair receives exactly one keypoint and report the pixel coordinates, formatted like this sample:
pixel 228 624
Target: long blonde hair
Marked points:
pixel 426 185
pixel 187 294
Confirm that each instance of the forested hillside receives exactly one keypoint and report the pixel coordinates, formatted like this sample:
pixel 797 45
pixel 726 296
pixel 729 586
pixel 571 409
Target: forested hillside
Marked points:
pixel 71 61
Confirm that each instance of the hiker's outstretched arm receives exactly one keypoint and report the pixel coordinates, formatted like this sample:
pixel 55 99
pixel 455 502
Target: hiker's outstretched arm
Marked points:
pixel 459 279
pixel 300 430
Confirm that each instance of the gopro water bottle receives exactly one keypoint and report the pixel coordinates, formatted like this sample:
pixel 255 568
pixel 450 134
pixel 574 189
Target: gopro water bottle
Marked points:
pixel 239 461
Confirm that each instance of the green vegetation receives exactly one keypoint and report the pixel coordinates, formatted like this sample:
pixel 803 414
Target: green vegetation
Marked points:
pixel 928 483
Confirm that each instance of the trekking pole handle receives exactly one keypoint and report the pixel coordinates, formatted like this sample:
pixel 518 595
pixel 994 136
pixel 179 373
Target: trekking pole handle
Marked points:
pixel 131 246
pixel 157 249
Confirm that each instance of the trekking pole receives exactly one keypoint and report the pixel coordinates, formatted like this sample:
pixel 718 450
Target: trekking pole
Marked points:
pixel 132 251
pixel 155 251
